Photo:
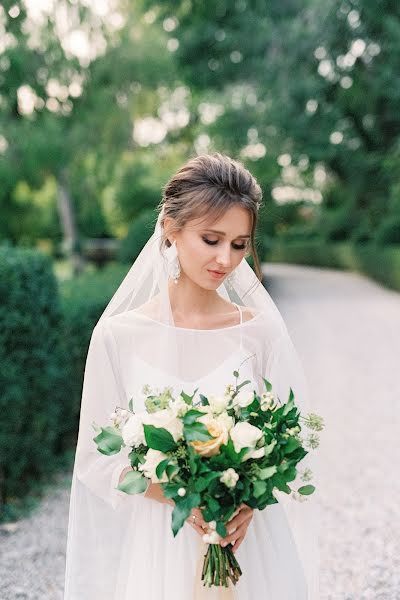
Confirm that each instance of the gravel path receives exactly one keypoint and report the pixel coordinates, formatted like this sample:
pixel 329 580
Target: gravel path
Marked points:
pixel 347 332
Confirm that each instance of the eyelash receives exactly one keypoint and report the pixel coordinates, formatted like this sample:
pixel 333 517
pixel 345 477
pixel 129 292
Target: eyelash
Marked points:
pixel 212 243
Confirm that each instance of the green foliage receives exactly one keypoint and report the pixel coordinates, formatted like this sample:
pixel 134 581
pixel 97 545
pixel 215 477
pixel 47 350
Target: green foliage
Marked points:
pixel 388 233
pixel 138 234
pixel 134 482
pixel 83 299
pixel 32 374
pixel 109 441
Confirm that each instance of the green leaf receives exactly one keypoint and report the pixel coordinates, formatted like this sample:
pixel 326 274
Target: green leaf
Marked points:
pixel 213 504
pixel 130 405
pixel 161 467
pixel 268 385
pixel 204 481
pixel 182 510
pixel 292 444
pixel 134 482
pixel 270 447
pixel 109 441
pixel 204 400
pixel 159 438
pixel 197 432
pixel 306 490
pixel 267 472
pixel 172 470
pixel 288 406
pixel 259 488
pixel 188 399
pixel 191 416
pixel 221 529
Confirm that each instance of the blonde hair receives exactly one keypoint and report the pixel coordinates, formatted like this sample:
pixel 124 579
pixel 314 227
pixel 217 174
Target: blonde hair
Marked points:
pixel 207 185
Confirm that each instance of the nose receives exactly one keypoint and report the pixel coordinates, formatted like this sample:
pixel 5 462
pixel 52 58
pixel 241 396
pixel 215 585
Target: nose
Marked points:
pixel 223 257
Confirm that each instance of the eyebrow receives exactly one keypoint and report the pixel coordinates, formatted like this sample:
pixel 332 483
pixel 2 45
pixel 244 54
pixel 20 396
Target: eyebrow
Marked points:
pixel 223 233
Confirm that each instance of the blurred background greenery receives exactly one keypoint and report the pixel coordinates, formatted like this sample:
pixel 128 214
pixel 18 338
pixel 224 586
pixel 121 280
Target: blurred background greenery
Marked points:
pixel 101 101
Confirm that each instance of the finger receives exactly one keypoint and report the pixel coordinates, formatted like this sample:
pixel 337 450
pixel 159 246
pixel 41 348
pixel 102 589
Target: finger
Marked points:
pixel 237 522
pixel 234 536
pixel 237 544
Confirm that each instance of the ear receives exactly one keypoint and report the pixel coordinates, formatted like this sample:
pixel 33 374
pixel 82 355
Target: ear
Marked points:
pixel 168 224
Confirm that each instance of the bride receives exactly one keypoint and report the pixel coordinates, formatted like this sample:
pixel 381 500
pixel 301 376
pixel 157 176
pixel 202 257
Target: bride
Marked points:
pixel 189 312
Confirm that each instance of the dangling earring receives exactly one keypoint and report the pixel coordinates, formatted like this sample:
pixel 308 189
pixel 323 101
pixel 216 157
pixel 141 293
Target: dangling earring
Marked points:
pixel 174 267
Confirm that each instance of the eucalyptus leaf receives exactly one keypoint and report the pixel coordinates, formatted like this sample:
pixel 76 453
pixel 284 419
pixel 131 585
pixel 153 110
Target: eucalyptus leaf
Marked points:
pixel 306 490
pixel 109 441
pixel 134 482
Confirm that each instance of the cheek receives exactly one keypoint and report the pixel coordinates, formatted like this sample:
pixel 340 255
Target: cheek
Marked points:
pixel 197 253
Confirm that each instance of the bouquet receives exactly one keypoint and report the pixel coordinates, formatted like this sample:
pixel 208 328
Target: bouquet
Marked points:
pixel 215 453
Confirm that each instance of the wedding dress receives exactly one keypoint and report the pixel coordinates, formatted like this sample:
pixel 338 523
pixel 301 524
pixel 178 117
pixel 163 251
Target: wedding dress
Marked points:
pixel 121 546
pixel 134 556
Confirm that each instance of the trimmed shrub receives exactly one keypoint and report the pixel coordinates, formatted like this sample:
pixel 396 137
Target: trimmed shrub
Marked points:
pixel 32 373
pixel 388 233
pixel 83 300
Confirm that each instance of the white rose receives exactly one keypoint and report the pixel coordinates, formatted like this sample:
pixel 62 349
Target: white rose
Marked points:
pixel 218 403
pixel 152 460
pixel 179 407
pixel 225 420
pixel 166 419
pixel 132 431
pixel 259 453
pixel 245 435
pixel 243 398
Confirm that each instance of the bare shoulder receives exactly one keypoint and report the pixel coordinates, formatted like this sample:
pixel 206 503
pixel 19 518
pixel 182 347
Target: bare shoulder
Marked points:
pixel 248 313
pixel 150 308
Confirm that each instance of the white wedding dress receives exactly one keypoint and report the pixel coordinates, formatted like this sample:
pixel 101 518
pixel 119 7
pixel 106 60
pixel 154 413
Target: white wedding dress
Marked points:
pixel 121 547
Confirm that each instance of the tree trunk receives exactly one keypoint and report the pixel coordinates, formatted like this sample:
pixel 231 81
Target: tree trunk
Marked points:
pixel 67 221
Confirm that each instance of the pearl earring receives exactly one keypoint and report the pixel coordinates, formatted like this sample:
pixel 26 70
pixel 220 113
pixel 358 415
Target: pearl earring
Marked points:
pixel 174 267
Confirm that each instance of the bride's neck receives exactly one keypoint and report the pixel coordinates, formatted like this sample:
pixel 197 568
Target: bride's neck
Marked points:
pixel 188 298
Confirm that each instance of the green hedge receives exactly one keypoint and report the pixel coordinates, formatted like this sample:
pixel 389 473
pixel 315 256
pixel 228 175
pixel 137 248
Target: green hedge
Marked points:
pixel 382 263
pixel 83 299
pixel 32 372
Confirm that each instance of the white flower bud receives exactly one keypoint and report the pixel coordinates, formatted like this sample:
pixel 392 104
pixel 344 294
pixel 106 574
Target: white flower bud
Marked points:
pixel 181 491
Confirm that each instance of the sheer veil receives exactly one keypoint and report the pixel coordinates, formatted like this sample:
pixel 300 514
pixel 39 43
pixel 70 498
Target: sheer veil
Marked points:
pixel 138 320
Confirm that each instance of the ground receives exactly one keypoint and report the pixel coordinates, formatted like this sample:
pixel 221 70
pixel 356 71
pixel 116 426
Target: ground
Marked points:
pixel 346 329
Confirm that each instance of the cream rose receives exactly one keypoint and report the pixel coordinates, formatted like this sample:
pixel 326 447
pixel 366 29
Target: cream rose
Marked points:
pixel 219 432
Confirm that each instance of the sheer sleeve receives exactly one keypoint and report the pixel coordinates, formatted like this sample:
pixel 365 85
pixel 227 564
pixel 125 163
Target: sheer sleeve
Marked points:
pixel 102 392
pixel 284 371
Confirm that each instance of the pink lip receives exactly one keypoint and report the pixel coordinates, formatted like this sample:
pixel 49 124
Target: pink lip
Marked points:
pixel 217 274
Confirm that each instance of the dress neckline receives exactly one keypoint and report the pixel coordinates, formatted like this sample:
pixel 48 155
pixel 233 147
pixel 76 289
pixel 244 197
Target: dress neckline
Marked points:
pixel 241 324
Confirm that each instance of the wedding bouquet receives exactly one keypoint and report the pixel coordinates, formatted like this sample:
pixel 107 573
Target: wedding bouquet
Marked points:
pixel 214 453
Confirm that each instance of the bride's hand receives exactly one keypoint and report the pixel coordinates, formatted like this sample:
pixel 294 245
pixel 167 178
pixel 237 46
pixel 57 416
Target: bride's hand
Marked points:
pixel 237 527
pixel 199 524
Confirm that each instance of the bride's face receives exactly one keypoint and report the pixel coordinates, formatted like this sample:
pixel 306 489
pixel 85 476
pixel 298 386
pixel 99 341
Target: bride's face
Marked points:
pixel 205 246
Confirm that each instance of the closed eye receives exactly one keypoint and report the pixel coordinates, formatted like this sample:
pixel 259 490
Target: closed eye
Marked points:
pixel 235 246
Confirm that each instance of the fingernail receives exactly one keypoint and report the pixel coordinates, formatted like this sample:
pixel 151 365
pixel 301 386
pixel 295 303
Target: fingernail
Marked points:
pixel 223 544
